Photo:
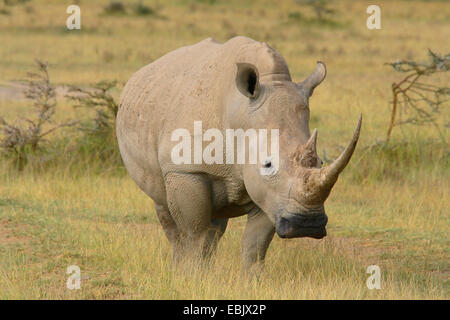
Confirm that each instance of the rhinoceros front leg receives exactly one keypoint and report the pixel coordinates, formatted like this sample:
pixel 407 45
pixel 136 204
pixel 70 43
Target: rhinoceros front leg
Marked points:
pixel 214 233
pixel 256 240
pixel 170 229
pixel 190 206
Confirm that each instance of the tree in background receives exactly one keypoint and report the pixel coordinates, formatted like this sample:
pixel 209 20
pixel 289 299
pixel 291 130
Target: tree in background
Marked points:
pixel 420 102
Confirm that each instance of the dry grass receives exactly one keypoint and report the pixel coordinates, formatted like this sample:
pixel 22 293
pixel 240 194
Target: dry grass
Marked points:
pixel 389 208
pixel 106 226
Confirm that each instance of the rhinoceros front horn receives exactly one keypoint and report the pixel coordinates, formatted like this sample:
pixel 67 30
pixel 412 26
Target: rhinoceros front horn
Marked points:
pixel 329 174
pixel 315 184
pixel 314 79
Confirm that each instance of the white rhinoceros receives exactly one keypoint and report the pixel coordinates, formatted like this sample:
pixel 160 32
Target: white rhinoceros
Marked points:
pixel 240 84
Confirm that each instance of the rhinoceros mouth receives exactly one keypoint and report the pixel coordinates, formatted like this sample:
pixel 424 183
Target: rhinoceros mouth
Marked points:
pixel 316 233
pixel 298 226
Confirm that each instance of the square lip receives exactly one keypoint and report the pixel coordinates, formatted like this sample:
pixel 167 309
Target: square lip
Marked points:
pixel 322 216
pixel 303 232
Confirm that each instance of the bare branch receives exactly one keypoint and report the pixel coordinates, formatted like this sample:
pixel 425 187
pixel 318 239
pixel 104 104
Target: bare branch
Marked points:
pixel 425 100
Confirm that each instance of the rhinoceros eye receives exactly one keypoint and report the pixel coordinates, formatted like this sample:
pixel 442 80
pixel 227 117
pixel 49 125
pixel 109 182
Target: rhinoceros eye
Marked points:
pixel 269 167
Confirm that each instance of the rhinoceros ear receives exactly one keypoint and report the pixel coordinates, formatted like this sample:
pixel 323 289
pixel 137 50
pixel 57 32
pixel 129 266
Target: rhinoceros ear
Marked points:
pixel 247 80
pixel 314 79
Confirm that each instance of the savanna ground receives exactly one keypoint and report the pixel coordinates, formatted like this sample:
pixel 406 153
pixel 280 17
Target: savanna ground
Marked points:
pixel 389 208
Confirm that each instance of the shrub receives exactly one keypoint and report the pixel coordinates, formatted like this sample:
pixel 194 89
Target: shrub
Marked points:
pixel 143 10
pixel 421 101
pixel 320 7
pixel 115 7
pixel 98 140
pixel 210 2
pixel 25 138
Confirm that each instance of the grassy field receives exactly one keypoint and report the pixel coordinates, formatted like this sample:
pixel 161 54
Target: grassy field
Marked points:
pixel 389 208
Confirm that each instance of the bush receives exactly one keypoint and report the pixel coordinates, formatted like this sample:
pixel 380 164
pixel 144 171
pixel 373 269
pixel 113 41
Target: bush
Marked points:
pixel 143 10
pixel 115 7
pixel 321 8
pixel 118 8
pixel 92 145
pixel 421 102
pixel 25 138
pixel 98 140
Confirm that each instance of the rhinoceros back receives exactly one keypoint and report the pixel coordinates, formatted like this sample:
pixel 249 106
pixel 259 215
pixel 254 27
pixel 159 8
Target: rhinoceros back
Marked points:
pixel 188 84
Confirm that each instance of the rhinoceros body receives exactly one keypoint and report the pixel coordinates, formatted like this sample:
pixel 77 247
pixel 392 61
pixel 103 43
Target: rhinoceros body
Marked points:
pixel 239 84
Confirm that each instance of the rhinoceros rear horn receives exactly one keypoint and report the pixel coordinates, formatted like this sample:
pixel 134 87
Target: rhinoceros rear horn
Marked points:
pixel 314 79
pixel 247 80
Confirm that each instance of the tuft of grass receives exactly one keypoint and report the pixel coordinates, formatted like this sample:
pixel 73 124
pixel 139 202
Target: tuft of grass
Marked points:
pixel 143 10
pixel 298 18
pixel 321 7
pixel 5 11
pixel 115 8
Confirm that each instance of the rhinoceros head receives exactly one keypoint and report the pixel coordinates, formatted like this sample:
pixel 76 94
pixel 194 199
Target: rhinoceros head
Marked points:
pixel 294 195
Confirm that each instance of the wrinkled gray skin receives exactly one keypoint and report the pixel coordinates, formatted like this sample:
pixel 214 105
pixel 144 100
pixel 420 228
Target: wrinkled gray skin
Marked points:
pixel 244 84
